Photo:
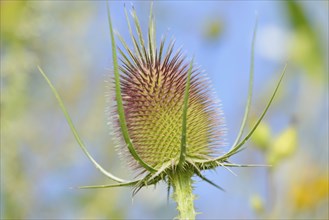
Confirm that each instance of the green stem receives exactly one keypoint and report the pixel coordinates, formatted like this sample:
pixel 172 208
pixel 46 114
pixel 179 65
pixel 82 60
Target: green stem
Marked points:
pixel 183 193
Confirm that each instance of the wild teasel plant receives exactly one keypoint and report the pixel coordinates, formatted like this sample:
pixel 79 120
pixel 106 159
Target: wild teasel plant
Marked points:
pixel 170 125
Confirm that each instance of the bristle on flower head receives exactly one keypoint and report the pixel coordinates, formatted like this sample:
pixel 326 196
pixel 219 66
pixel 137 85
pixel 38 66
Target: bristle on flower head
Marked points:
pixel 153 82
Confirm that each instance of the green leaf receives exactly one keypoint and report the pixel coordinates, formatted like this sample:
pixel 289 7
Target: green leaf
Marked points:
pixel 122 118
pixel 210 182
pixel 238 146
pixel 184 121
pixel 251 82
pixel 209 164
pixel 131 183
pixel 244 165
pixel 74 131
pixel 149 179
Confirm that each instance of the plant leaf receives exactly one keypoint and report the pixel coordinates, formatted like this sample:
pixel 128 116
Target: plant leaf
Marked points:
pixel 209 164
pixel 244 165
pixel 74 131
pixel 122 118
pixel 184 121
pixel 251 82
pixel 238 146
pixel 210 182
pixel 131 183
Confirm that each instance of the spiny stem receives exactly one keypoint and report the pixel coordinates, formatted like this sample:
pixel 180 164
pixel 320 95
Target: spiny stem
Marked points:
pixel 183 193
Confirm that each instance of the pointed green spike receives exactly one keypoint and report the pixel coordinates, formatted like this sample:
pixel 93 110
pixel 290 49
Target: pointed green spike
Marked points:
pixel 151 34
pixel 159 171
pixel 182 155
pixel 251 81
pixel 228 169
pixel 151 178
pixel 74 131
pixel 210 182
pixel 163 40
pixel 123 42
pixel 130 31
pixel 168 191
pixel 244 165
pixel 122 118
pixel 139 32
pixel 131 183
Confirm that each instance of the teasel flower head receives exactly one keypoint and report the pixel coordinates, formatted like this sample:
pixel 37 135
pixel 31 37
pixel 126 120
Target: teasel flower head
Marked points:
pixel 153 81
pixel 171 125
pixel 167 117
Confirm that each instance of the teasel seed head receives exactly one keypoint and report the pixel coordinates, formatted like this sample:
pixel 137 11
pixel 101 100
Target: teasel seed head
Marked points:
pixel 153 82
pixel 169 122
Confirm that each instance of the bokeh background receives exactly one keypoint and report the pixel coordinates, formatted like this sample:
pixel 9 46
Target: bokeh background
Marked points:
pixel 41 162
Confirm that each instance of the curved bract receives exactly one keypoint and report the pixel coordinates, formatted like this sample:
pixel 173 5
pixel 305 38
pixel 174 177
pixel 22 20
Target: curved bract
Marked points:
pixel 75 133
pixel 120 111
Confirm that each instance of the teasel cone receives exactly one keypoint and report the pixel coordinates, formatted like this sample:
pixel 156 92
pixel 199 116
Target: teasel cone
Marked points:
pixel 172 127
pixel 153 84
pixel 166 117
pixel 164 97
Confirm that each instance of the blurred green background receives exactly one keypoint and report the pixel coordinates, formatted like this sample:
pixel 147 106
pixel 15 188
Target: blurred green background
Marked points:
pixel 41 163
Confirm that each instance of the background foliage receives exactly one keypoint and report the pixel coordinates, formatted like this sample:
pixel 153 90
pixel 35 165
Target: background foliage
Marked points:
pixel 40 161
